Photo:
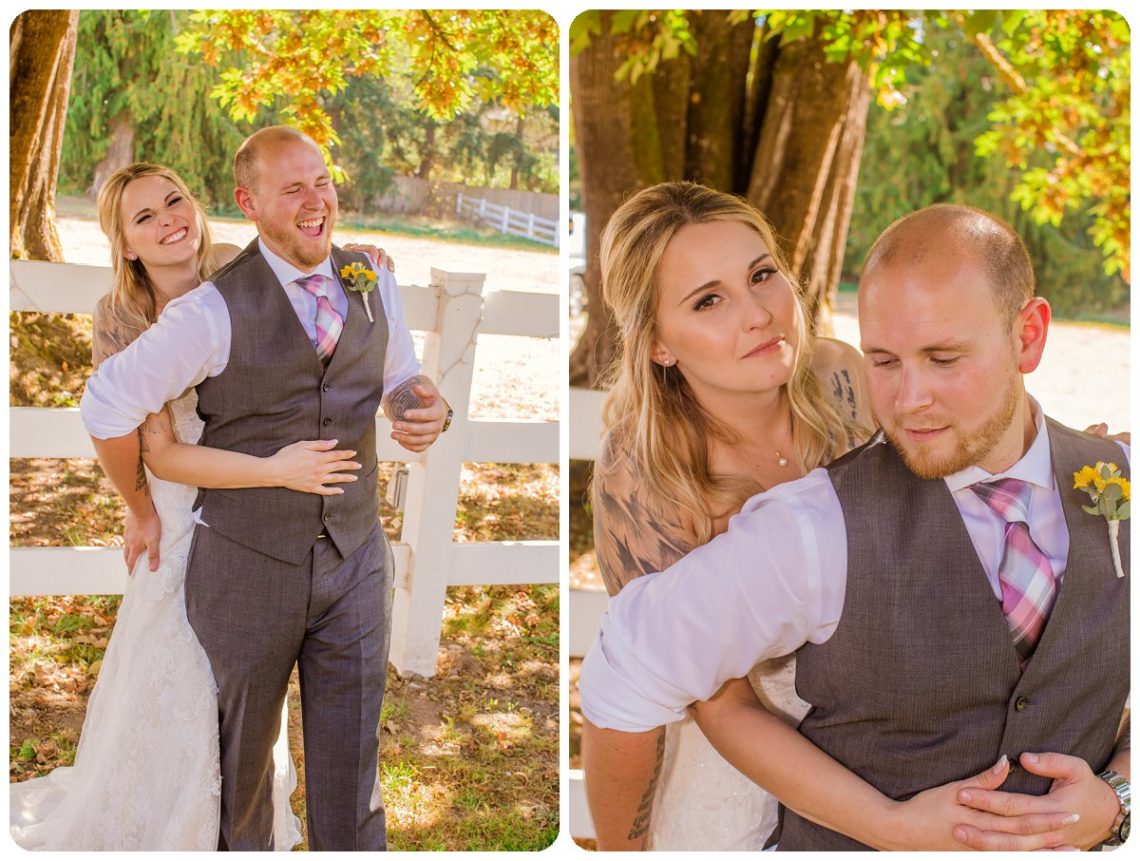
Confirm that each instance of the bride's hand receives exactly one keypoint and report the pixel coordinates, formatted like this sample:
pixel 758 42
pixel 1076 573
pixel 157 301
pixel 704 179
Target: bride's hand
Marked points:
pixel 311 465
pixel 927 821
pixel 379 258
pixel 141 534
pixel 1102 430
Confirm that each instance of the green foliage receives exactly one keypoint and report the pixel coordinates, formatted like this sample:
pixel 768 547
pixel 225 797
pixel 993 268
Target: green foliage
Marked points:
pixel 127 72
pixel 948 106
pixel 133 68
pixel 295 60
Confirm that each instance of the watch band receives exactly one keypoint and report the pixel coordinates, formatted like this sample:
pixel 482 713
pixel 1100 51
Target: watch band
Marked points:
pixel 1121 825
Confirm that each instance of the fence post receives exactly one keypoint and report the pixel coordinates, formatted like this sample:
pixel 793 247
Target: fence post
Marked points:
pixel 506 217
pixel 530 225
pixel 482 207
pixel 459 204
pixel 433 481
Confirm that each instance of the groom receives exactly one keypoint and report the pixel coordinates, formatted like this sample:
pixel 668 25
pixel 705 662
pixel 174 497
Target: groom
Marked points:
pixel 947 598
pixel 280 351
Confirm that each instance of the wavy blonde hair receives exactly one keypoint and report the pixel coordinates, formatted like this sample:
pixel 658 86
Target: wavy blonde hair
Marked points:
pixel 132 303
pixel 651 412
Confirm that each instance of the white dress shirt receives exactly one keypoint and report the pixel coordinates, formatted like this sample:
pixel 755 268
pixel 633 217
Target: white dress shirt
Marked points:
pixel 775 580
pixel 190 341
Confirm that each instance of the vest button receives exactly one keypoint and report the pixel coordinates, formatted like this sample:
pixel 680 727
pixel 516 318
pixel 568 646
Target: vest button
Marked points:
pixel 1020 703
pixel 325 387
pixel 326 517
pixel 327 422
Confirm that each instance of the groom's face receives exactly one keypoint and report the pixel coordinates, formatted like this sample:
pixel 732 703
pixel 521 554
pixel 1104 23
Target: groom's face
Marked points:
pixel 293 201
pixel 942 365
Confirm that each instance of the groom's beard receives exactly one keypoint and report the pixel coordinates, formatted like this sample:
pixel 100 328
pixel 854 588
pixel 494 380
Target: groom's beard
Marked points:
pixel 295 246
pixel 970 445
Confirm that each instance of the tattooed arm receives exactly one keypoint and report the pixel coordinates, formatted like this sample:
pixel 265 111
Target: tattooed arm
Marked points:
pixel 632 536
pixel 838 367
pixel 121 457
pixel 417 411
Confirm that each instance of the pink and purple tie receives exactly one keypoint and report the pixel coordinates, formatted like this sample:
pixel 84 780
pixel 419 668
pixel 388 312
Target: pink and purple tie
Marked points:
pixel 1028 585
pixel 329 322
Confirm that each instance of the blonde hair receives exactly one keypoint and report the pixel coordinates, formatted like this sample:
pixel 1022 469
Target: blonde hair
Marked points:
pixel 132 302
pixel 651 412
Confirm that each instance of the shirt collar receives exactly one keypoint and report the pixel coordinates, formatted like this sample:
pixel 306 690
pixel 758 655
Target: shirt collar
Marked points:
pixel 1035 466
pixel 286 272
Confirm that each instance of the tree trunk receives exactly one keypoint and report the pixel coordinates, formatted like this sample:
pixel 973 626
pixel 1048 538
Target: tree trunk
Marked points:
pixel 42 49
pixel 520 126
pixel 620 152
pixel 120 153
pixel 806 164
pixel 774 122
pixel 427 158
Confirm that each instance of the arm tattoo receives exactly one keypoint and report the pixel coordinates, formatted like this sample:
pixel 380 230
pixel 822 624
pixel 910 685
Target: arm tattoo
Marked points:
pixel 140 471
pixel 640 825
pixel 634 538
pixel 110 335
pixel 843 394
pixel 402 398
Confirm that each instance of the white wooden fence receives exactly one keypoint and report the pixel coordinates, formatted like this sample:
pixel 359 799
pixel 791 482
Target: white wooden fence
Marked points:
pixel 586 605
pixel 452 311
pixel 506 220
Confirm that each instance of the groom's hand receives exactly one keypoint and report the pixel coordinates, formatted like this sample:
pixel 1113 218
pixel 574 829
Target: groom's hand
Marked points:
pixel 418 427
pixel 1075 790
pixel 141 534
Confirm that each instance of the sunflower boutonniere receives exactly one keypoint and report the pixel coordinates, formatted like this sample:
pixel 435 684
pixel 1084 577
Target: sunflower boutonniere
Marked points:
pixel 1111 495
pixel 362 279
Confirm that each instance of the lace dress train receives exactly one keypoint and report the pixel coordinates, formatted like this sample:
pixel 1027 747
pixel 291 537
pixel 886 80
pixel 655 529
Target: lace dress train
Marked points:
pixel 146 772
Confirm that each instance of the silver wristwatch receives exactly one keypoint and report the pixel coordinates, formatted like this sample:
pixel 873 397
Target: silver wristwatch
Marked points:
pixel 1123 792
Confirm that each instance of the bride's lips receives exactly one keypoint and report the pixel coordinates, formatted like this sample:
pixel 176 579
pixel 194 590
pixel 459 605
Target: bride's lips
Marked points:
pixel 767 347
pixel 312 226
pixel 175 237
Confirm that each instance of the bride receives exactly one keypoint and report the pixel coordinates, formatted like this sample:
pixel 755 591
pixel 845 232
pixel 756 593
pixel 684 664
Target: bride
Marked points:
pixel 718 392
pixel 146 772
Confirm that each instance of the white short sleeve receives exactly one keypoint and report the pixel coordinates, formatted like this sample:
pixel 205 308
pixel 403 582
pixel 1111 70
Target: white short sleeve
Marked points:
pixel 773 581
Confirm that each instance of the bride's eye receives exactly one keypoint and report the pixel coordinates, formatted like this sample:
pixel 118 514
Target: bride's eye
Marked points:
pixel 174 201
pixel 144 217
pixel 763 274
pixel 706 301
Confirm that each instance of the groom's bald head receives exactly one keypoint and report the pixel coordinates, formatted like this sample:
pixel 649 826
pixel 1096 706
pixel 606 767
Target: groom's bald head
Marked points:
pixel 246 158
pixel 962 232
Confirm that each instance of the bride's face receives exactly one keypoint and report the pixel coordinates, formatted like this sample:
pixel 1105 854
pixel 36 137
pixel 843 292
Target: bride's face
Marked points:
pixel 725 314
pixel 160 224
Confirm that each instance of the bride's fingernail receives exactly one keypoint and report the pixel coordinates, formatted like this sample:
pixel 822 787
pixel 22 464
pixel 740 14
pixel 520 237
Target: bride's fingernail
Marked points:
pixel 1071 818
pixel 964 795
pixel 1001 764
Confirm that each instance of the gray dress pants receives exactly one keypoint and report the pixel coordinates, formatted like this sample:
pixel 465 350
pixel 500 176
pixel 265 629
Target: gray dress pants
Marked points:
pixel 256 617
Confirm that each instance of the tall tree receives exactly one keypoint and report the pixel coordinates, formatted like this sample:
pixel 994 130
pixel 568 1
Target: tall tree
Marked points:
pixel 764 111
pixel 41 51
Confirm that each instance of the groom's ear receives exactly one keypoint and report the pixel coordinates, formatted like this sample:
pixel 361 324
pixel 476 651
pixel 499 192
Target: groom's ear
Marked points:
pixel 245 202
pixel 1032 329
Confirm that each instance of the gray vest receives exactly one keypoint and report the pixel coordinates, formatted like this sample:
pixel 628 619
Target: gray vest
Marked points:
pixel 919 685
pixel 273 392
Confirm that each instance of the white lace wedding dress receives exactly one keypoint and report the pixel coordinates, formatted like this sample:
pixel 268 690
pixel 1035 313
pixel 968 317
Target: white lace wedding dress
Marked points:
pixel 702 802
pixel 146 772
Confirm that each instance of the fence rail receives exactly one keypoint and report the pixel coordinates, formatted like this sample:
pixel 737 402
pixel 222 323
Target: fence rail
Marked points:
pixel 506 220
pixel 452 311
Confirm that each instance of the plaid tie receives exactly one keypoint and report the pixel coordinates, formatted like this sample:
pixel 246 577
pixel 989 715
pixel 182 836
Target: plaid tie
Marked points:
pixel 1028 587
pixel 329 322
